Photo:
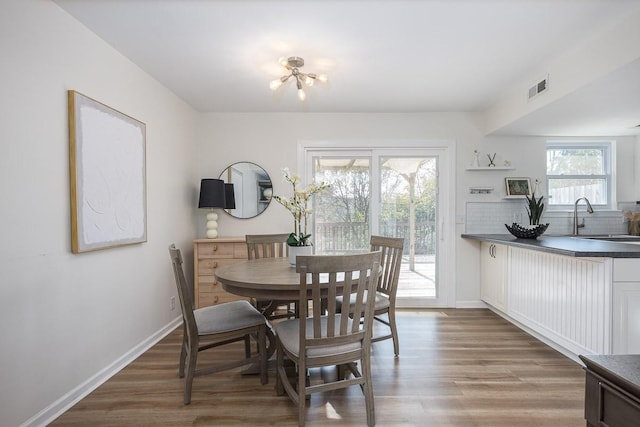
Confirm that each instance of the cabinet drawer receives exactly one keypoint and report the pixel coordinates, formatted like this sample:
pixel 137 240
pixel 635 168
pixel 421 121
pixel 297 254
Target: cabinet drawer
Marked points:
pixel 607 404
pixel 625 269
pixel 207 266
pixel 216 250
pixel 207 299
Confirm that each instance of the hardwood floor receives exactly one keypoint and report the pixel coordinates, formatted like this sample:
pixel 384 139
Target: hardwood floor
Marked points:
pixel 457 367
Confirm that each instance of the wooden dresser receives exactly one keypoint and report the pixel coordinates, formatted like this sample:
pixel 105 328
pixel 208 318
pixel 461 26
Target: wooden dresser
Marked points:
pixel 209 254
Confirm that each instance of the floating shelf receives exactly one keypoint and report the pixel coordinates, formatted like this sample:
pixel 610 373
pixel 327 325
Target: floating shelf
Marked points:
pixel 492 168
pixel 480 190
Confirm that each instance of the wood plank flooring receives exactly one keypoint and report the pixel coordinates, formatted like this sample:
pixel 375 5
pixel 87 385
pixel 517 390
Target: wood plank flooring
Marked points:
pixel 457 367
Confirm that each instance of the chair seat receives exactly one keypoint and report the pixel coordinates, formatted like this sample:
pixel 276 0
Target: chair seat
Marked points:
pixel 382 302
pixel 288 333
pixel 227 317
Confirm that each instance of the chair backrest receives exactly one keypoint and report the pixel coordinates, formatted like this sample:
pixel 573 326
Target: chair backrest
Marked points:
pixel 267 245
pixel 391 248
pixel 186 302
pixel 322 279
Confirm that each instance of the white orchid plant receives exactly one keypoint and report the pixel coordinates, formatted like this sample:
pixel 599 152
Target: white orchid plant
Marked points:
pixel 298 206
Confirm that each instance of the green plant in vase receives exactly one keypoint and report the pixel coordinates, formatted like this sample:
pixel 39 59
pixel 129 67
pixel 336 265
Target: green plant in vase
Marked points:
pixel 297 205
pixel 534 208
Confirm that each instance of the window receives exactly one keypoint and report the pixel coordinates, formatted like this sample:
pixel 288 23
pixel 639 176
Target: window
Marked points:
pixel 579 169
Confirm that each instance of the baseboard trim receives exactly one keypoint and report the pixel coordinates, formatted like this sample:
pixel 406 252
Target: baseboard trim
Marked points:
pixel 471 304
pixel 60 406
pixel 554 345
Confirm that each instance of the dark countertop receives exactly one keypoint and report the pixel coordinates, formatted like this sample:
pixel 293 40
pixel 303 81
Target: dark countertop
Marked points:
pixel 564 245
pixel 624 369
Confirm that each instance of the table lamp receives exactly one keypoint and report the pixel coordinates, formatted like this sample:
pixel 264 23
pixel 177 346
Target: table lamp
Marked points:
pixel 229 196
pixel 212 195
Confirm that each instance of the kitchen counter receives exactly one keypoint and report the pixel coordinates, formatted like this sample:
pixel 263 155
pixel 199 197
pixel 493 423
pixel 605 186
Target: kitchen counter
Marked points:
pixel 565 245
pixel 577 294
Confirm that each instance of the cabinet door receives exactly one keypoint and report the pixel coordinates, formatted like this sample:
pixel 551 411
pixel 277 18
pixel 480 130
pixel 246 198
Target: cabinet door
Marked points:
pixel 493 275
pixel 626 318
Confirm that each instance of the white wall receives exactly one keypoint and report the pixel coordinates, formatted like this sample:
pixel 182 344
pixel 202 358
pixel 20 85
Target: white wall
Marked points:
pixel 584 64
pixel 66 317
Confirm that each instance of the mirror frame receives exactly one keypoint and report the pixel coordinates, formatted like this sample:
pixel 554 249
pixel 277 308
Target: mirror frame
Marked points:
pixel 259 189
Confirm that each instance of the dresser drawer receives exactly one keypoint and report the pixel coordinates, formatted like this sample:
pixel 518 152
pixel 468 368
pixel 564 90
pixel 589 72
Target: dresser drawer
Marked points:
pixel 207 266
pixel 209 254
pixel 207 299
pixel 217 250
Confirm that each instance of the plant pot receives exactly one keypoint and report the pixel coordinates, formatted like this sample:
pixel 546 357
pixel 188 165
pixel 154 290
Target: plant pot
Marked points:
pixel 294 251
pixel 527 231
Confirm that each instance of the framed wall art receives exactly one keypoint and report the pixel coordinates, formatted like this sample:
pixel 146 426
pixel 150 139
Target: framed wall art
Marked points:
pixel 518 186
pixel 107 174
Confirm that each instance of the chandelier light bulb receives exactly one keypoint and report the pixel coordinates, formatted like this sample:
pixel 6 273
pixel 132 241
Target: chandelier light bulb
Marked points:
pixel 323 78
pixel 275 84
pixel 293 65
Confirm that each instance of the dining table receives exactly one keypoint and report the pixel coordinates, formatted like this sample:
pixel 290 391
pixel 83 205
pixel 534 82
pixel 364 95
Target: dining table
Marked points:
pixel 263 278
pixel 271 279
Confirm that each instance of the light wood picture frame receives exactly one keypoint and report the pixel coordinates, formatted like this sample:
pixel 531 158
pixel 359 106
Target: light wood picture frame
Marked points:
pixel 107 156
pixel 518 186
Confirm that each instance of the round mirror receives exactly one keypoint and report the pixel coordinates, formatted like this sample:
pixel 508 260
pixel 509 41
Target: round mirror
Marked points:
pixel 251 186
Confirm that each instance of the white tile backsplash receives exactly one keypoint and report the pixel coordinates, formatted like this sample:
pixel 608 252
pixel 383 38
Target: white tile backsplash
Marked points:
pixel 490 217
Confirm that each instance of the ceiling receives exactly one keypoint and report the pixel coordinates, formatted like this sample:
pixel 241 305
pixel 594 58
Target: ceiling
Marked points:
pixel 380 55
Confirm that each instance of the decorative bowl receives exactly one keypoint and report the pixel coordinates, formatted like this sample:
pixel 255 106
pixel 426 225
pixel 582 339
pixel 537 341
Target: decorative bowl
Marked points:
pixel 527 231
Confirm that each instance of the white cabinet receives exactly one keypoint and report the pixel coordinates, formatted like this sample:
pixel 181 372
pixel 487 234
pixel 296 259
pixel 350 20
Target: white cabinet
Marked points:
pixel 565 299
pixel 580 305
pixel 626 306
pixel 493 274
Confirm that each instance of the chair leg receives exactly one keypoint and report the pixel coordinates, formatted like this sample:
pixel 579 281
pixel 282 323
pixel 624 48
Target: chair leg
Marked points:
pixel 279 369
pixel 368 390
pixel 247 346
pixel 183 356
pixel 302 385
pixel 262 351
pixel 191 371
pixel 394 330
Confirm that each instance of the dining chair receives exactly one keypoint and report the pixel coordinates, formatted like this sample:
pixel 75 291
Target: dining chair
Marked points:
pixel 385 303
pixel 214 326
pixel 270 246
pixel 324 336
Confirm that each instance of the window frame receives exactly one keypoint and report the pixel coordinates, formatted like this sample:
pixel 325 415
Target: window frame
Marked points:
pixel 608 148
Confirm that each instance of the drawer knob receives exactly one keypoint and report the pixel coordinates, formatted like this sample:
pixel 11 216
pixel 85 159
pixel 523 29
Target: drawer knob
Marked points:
pixel 215 248
pixel 215 264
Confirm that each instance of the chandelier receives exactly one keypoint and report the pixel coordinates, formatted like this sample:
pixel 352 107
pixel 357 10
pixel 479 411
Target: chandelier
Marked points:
pixel 292 64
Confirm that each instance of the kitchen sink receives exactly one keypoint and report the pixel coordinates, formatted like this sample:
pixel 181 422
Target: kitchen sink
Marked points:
pixel 622 238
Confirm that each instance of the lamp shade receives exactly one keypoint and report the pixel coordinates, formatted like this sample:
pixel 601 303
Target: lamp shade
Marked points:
pixel 230 196
pixel 212 193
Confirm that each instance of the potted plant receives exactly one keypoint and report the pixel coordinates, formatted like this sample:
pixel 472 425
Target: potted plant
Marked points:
pixel 534 208
pixel 297 205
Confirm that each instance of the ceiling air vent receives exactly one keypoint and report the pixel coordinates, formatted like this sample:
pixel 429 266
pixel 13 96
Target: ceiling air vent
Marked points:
pixel 539 87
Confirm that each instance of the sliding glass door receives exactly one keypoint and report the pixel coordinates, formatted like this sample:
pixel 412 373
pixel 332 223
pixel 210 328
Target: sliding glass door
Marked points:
pixel 383 193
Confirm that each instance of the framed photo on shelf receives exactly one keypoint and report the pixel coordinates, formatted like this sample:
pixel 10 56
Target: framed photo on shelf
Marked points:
pixel 518 186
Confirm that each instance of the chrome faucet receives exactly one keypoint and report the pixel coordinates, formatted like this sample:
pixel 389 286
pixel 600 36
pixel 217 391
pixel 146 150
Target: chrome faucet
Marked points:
pixel 576 226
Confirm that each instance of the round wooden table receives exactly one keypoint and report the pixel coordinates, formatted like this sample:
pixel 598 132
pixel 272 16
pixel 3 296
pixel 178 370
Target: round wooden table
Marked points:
pixel 265 278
